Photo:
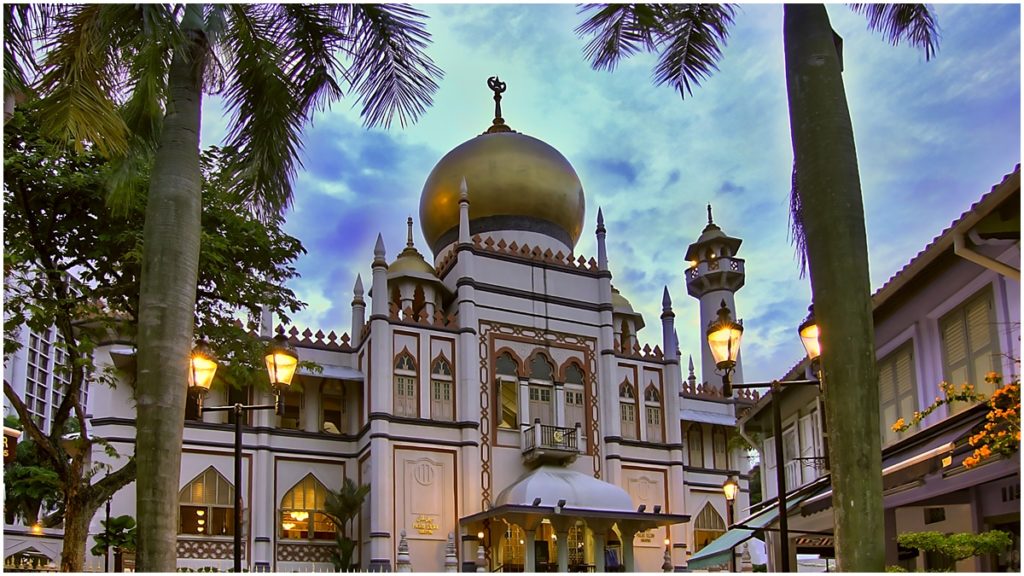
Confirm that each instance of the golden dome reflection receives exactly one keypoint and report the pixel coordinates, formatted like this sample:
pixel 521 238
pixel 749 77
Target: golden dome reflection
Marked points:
pixel 515 182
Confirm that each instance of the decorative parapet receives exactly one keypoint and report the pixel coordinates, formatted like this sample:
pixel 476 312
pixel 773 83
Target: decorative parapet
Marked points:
pixel 523 251
pixel 421 318
pixel 708 390
pixel 308 339
pixel 645 353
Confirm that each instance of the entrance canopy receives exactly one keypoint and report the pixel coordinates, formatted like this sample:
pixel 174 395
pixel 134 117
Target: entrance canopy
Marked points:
pixel 718 551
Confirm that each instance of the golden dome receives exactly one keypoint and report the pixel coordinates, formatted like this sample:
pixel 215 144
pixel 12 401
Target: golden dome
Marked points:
pixel 515 182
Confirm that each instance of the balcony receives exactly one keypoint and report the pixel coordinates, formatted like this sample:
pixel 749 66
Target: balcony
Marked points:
pixel 543 444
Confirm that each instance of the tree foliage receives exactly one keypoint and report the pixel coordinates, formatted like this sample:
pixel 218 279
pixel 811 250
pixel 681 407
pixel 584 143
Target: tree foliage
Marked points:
pixel 960 546
pixel 343 507
pixel 118 533
pixel 72 266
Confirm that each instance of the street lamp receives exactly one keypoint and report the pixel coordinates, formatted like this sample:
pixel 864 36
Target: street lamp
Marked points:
pixel 724 337
pixel 281 359
pixel 730 488
pixel 725 330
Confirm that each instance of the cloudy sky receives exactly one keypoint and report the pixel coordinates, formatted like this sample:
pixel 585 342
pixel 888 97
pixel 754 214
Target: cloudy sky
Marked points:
pixel 932 137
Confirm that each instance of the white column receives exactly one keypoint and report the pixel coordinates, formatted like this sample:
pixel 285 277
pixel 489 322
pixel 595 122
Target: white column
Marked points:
pixel 531 554
pixel 563 550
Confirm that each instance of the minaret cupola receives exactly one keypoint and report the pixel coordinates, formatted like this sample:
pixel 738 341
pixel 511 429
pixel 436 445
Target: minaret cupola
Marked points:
pixel 713 262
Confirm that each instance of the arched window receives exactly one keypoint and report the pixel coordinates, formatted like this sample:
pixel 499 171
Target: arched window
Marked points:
pixel 652 414
pixel 574 396
pixel 302 511
pixel 695 445
pixel 707 527
pixel 405 401
pixel 507 389
pixel 206 505
pixel 627 410
pixel 720 447
pixel 542 390
pixel 442 399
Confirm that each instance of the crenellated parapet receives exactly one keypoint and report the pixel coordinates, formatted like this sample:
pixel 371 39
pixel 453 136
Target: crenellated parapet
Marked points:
pixel 487 244
pixel 309 339
pixel 693 389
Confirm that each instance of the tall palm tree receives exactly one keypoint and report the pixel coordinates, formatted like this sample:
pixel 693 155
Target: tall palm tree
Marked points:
pixel 130 80
pixel 827 215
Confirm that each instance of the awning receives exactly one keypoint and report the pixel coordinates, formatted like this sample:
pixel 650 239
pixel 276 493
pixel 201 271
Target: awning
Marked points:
pixel 332 371
pixel 691 415
pixel 717 552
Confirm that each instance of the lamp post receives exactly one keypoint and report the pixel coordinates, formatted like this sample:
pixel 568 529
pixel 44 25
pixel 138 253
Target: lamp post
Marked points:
pixel 730 488
pixel 281 360
pixel 724 339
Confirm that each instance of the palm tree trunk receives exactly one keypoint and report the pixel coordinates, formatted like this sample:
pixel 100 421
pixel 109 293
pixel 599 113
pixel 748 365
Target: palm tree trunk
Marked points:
pixel 167 304
pixel 833 215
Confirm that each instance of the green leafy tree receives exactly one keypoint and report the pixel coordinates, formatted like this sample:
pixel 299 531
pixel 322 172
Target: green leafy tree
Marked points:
pixel 130 78
pixel 118 535
pixel 826 209
pixel 73 267
pixel 957 547
pixel 343 507
pixel 28 484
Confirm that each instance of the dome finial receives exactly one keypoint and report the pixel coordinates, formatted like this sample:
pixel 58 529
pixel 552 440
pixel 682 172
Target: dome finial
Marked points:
pixel 498 125
pixel 710 220
pixel 408 241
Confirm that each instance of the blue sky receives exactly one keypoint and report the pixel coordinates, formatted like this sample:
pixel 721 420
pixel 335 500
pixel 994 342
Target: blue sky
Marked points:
pixel 932 137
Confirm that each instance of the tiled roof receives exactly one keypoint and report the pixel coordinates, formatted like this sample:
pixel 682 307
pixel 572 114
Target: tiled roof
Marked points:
pixel 941 242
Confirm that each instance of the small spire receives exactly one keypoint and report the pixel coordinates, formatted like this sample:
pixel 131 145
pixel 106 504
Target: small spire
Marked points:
pixel 408 241
pixel 691 364
pixel 358 288
pixel 666 301
pixel 498 87
pixel 463 191
pixel 692 378
pixel 710 220
pixel 600 217
pixel 378 248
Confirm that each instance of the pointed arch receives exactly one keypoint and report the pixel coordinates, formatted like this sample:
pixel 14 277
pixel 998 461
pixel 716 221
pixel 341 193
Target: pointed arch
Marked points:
pixel 405 401
pixel 720 447
pixel 627 410
pixel 695 445
pixel 708 526
pixel 442 389
pixel 507 369
pixel 302 511
pixel 653 414
pixel 206 505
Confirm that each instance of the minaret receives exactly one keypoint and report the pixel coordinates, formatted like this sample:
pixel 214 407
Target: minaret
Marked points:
pixel 358 312
pixel 715 274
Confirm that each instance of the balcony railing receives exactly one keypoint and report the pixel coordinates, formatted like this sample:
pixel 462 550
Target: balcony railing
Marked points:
pixel 542 442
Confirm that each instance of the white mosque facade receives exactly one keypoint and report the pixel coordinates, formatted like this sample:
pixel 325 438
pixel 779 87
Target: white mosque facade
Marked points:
pixel 494 395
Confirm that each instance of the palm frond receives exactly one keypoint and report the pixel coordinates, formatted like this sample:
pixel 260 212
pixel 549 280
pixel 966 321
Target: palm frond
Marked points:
pixel 797 235
pixel 313 38
pixel 78 79
pixel 618 31
pixel 263 141
pixel 688 38
pixel 691 44
pixel 390 71
pixel 914 23
pixel 24 25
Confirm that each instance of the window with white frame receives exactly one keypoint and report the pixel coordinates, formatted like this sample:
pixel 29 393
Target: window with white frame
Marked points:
pixel 506 371
pixel 719 446
pixel 652 414
pixel 302 511
pixel 542 390
pixel 695 445
pixel 627 410
pixel 574 401
pixel 405 401
pixel 442 398
pixel 47 378
pixel 206 505
pixel 897 390
pixel 970 347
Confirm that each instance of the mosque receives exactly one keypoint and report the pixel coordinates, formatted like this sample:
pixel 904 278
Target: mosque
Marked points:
pixel 495 396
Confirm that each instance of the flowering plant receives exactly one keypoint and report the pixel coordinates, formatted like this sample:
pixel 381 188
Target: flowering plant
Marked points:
pixel 1001 431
